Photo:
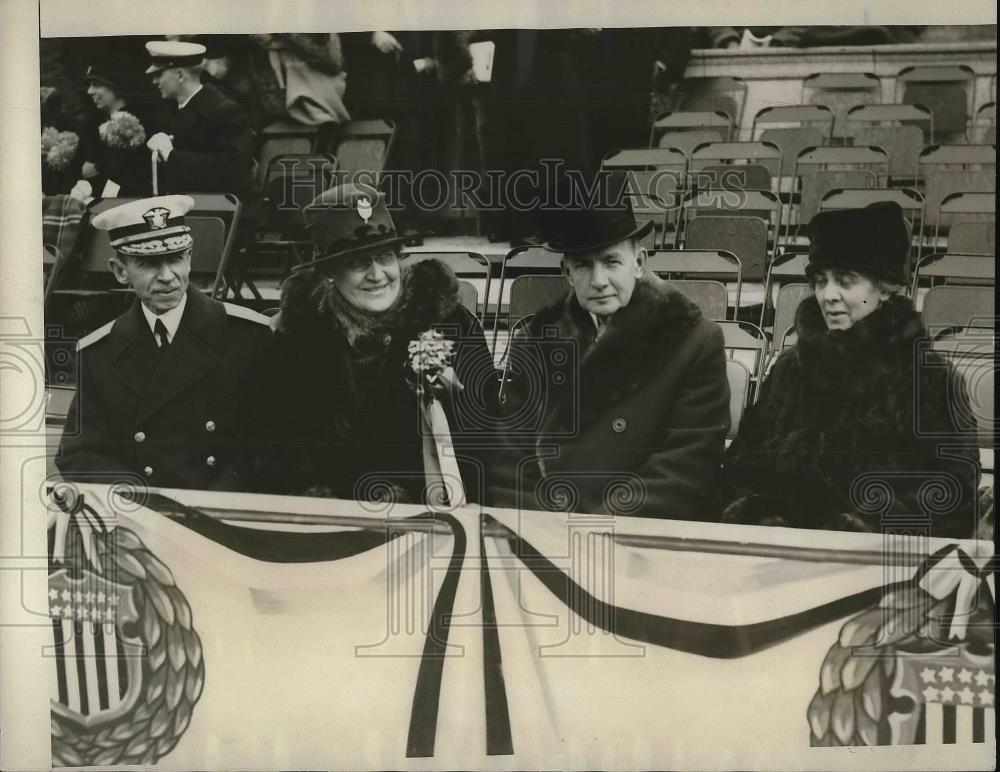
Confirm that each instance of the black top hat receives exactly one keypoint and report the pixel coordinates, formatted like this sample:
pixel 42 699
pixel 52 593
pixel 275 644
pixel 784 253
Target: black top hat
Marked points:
pixel 597 214
pixel 348 219
pixel 873 241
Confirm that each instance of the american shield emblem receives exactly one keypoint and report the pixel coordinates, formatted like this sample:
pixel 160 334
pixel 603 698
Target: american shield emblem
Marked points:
pixel 97 665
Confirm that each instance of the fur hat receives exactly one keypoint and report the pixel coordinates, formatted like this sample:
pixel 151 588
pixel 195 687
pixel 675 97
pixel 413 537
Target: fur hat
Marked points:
pixel 873 241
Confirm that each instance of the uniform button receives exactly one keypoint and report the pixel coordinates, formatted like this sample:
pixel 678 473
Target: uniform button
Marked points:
pixel 210 460
pixel 140 436
pixel 209 426
pixel 619 425
pixel 148 471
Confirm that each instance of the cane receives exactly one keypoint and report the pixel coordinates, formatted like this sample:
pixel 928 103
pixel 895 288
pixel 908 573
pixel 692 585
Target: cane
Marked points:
pixel 152 159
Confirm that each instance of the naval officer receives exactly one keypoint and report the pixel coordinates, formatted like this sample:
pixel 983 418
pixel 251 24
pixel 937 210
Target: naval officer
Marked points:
pixel 161 390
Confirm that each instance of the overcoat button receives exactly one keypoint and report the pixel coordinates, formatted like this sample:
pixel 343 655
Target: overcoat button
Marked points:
pixel 210 460
pixel 140 436
pixel 619 425
pixel 148 471
pixel 209 426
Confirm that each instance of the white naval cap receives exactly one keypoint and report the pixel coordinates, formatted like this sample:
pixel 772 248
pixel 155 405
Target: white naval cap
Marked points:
pixel 173 53
pixel 148 227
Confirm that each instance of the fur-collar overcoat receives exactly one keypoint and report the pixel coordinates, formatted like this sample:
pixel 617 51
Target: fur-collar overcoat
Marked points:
pixel 858 429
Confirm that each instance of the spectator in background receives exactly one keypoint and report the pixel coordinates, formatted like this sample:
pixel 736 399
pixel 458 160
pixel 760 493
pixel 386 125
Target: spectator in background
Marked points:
pixel 858 426
pixel 227 67
pixel 206 145
pixel 114 137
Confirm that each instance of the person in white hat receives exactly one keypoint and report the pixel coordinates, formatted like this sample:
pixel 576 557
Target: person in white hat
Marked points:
pixel 207 144
pixel 161 390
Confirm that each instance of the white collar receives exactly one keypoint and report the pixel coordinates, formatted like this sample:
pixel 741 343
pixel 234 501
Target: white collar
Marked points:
pixel 182 105
pixel 171 319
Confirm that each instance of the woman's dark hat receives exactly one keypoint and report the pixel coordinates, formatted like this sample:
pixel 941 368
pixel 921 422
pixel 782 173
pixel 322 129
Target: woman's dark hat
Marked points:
pixel 347 219
pixel 585 225
pixel 874 241
pixel 103 74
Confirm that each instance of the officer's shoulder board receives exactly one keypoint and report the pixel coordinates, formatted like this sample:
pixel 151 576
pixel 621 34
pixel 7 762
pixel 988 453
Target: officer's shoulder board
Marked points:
pixel 98 334
pixel 242 312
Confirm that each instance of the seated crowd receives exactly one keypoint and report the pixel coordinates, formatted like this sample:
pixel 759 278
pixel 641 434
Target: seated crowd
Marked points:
pixel 618 400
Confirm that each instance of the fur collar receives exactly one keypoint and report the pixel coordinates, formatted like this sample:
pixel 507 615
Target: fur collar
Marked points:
pixel 636 344
pixel 881 348
pixel 428 294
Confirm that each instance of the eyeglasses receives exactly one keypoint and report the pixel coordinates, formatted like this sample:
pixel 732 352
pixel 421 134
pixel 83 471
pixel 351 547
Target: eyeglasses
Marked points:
pixel 362 262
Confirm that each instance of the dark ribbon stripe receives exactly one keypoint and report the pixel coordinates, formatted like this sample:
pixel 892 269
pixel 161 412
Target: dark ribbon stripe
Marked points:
pixel 427 694
pixel 277 546
pixel 702 638
pixel 498 734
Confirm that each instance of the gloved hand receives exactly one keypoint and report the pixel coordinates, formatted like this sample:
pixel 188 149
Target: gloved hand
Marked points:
pixel 82 191
pixel 162 144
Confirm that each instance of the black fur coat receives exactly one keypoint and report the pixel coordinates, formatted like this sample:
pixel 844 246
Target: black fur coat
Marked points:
pixel 861 429
pixel 323 433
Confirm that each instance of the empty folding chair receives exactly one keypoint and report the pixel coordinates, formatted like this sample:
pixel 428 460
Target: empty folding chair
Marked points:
pixel 708 269
pixel 973 238
pixel 964 207
pixel 947 169
pixel 901 130
pixel 725 94
pixel 675 125
pixel 788 270
pixel 284 137
pixel 511 305
pixel 947 91
pixel 739 394
pixel 656 184
pixel 819 170
pixel 841 91
pixel 793 128
pixel 953 305
pixel 709 161
pixel 945 269
pixel 362 149
pixel 746 343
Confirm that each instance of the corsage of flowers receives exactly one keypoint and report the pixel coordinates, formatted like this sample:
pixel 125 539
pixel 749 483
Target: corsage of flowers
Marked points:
pixel 430 358
pixel 122 130
pixel 58 148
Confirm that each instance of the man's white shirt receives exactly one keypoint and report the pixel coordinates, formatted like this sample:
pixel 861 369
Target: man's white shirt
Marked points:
pixel 171 319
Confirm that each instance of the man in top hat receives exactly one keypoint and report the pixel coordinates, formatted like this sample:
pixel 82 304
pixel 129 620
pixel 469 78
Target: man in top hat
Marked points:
pixel 207 144
pixel 616 399
pixel 340 409
pixel 161 390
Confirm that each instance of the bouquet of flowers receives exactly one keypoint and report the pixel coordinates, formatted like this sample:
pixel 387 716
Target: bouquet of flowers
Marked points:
pixel 58 148
pixel 430 359
pixel 122 130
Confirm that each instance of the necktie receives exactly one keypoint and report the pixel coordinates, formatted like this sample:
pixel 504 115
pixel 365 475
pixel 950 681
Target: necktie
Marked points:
pixel 160 331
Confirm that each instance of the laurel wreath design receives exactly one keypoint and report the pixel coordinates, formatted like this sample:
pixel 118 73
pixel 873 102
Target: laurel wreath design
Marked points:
pixel 850 704
pixel 173 671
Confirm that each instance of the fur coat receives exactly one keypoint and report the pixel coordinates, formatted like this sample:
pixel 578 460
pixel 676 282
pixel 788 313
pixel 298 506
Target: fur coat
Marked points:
pixel 861 429
pixel 631 423
pixel 315 440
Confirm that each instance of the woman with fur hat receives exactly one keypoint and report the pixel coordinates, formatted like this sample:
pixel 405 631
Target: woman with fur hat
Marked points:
pixel 859 426
pixel 342 412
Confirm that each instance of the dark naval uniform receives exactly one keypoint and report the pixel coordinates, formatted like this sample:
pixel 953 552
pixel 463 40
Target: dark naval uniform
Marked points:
pixel 213 147
pixel 170 418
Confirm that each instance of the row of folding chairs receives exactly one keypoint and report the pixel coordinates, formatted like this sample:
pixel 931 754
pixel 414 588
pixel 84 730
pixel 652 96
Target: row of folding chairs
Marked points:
pixel 947 91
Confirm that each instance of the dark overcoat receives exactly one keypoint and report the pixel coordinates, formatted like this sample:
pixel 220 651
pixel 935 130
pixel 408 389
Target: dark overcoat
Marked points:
pixel 172 419
pixel 316 442
pixel 213 147
pixel 861 429
pixel 633 423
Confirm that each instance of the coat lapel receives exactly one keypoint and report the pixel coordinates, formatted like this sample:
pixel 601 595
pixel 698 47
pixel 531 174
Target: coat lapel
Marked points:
pixel 135 353
pixel 195 351
pixel 637 343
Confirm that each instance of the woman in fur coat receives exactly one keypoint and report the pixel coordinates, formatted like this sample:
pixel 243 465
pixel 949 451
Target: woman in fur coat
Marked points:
pixel 859 426
pixel 340 414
